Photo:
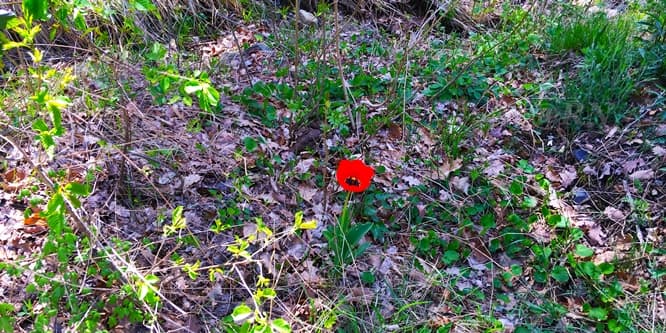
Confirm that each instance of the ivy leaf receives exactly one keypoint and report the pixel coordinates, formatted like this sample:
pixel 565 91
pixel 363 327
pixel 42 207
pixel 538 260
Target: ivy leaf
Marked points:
pixel 583 251
pixel 560 274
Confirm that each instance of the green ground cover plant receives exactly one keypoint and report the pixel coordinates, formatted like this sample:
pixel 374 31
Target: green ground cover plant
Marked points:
pixel 242 166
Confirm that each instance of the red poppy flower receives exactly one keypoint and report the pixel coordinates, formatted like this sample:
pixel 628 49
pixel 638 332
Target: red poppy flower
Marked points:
pixel 354 175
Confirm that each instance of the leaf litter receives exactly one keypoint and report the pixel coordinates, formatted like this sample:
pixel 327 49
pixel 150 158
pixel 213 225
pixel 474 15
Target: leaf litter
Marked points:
pixel 179 173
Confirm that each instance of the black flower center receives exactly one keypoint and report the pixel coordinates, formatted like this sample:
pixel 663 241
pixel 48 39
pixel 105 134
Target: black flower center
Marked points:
pixel 352 181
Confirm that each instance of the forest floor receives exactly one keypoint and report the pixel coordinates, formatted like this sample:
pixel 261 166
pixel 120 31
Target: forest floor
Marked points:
pixel 202 167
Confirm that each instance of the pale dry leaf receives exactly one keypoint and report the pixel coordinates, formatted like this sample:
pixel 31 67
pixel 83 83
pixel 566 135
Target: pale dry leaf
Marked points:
pixel 297 249
pixel 307 17
pixel 494 168
pixel 660 130
pixel 425 137
pixel 590 171
pixel 249 229
pixel 461 183
pixel 659 151
pixel 568 175
pixel 642 175
pixel 612 132
pixel 190 180
pixel 386 266
pixel 361 295
pixel 307 192
pixel 166 178
pixel 606 170
pixel 119 210
pixel 304 165
pixel 444 196
pixel 552 175
pixel 630 166
pixel 448 166
pixel 597 235
pixel 614 214
pixel 411 180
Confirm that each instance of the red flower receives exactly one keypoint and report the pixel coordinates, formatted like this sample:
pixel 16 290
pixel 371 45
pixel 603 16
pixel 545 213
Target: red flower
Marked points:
pixel 354 175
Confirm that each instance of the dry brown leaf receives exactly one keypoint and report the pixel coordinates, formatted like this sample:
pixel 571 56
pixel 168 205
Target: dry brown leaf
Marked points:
pixel 425 137
pixel 659 151
pixel 642 175
pixel 597 235
pixel 394 131
pixel 660 130
pixel 411 180
pixel 190 180
pixel 35 219
pixel 461 183
pixel 614 214
pixel 446 168
pixel 494 169
pixel 307 192
pixel 304 165
pixel 568 175
pixel 632 165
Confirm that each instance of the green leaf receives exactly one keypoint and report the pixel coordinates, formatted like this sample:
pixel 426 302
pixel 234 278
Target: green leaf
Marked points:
pixel 368 278
pixel 598 314
pixel 357 232
pixel 157 52
pixel 280 326
pixel 558 221
pixel 606 268
pixel 78 188
pixel 300 225
pixel 450 256
pixel 143 5
pixel 560 274
pixel 516 188
pixel 191 87
pixel 583 251
pixel 212 96
pixel 37 9
pixel 530 201
pixel 241 314
pixel 250 143
pixel 39 125
pixel 488 221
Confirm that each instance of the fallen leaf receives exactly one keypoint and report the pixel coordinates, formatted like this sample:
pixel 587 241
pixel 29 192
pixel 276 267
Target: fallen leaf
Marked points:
pixel 642 175
pixel 190 180
pixel 446 168
pixel 411 180
pixel 425 137
pixel 659 151
pixel 304 165
pixel 597 235
pixel 461 183
pixel 307 17
pixel 35 219
pixel 307 192
pixel 568 175
pixel 614 214
pixel 494 169
pixel 394 131
pixel 632 165
pixel 660 130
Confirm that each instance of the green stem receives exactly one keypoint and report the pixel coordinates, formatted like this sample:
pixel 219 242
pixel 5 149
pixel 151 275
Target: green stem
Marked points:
pixel 345 219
